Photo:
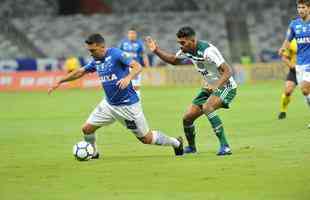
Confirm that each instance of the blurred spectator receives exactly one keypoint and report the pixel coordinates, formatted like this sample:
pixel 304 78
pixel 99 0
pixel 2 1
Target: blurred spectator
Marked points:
pixel 267 55
pixel 72 63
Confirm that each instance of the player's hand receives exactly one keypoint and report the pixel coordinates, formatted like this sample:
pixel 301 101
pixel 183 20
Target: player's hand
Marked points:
pixel 53 87
pixel 211 88
pixel 150 43
pixel 123 83
pixel 281 51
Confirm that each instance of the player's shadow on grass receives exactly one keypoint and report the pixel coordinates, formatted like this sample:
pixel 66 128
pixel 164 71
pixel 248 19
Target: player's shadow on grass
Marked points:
pixel 127 157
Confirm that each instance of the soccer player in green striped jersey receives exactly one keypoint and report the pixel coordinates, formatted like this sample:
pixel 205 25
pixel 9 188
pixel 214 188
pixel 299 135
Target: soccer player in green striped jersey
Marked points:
pixel 217 92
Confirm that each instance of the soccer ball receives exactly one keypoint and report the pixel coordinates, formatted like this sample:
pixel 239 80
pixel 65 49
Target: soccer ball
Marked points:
pixel 83 151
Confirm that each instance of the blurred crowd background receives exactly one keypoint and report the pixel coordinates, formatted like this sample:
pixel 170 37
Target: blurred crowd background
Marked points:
pixel 244 31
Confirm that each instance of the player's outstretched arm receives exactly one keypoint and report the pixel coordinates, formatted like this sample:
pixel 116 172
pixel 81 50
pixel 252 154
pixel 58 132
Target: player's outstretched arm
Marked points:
pixel 136 68
pixel 145 60
pixel 165 56
pixel 70 77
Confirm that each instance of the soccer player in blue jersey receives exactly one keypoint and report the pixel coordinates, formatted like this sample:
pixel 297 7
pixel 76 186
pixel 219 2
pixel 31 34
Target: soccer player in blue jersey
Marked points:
pixel 300 30
pixel 121 102
pixel 134 47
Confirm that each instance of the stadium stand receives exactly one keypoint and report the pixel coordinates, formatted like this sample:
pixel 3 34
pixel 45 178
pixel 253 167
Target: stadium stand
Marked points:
pixel 58 36
pixel 24 8
pixel 273 31
pixel 8 49
pixel 63 36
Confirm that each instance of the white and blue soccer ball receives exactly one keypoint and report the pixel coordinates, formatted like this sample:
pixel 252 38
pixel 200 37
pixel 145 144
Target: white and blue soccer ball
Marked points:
pixel 83 151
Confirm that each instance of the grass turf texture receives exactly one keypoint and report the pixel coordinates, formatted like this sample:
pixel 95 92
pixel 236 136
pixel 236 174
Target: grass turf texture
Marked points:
pixel 270 161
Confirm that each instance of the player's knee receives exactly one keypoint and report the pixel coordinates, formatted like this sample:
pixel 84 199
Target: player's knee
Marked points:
pixel 187 120
pixel 208 108
pixel 288 93
pixel 305 91
pixel 147 139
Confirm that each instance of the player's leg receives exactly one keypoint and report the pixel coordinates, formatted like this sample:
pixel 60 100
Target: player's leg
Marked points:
pixel 194 111
pixel 133 118
pixel 305 84
pixel 90 136
pixel 156 137
pixel 101 116
pixel 290 85
pixel 303 77
pixel 305 88
pixel 221 98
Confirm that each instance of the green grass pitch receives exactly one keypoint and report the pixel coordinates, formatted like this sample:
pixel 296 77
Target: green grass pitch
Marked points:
pixel 270 161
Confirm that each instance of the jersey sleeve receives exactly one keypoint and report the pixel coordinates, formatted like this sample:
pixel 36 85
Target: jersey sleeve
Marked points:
pixel 123 57
pixel 290 34
pixel 214 55
pixel 90 67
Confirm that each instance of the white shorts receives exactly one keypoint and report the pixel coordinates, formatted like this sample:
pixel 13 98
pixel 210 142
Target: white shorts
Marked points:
pixel 137 80
pixel 132 117
pixel 303 73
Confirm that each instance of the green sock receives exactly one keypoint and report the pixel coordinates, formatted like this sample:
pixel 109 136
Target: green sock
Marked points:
pixel 217 126
pixel 190 134
pixel 91 138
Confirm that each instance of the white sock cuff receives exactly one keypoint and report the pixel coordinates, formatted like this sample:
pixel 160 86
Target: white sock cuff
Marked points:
pixel 211 115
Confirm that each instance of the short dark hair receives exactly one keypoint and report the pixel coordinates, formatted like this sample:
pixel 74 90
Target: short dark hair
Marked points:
pixel 132 29
pixel 94 38
pixel 307 2
pixel 186 31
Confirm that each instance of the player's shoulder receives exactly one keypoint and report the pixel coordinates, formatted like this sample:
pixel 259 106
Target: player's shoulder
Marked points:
pixel 114 50
pixel 212 52
pixel 203 44
pixel 117 53
pixel 295 21
pixel 206 46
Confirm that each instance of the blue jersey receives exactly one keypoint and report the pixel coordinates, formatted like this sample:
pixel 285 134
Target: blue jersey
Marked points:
pixel 111 68
pixel 134 48
pixel 300 30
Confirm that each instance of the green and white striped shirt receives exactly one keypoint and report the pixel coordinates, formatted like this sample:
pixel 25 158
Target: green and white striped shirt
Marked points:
pixel 207 60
